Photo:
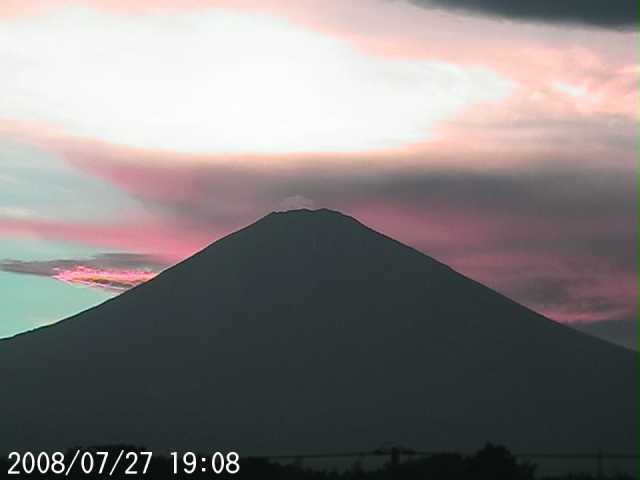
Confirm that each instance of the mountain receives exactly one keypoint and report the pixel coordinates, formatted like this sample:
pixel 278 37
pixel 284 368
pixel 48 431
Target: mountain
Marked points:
pixel 308 331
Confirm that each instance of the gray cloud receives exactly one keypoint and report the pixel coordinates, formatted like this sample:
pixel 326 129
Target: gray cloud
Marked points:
pixel 618 14
pixel 623 332
pixel 104 261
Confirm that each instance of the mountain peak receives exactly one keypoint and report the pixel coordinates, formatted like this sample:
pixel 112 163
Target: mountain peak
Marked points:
pixel 308 213
pixel 304 222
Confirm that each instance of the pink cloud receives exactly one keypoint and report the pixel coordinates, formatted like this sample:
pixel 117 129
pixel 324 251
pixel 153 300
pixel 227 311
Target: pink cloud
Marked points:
pixel 547 264
pixel 118 280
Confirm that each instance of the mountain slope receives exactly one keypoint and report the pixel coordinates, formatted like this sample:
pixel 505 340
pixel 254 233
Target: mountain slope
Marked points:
pixel 307 331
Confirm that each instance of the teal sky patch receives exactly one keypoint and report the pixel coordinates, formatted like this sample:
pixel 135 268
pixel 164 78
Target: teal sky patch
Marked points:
pixel 28 302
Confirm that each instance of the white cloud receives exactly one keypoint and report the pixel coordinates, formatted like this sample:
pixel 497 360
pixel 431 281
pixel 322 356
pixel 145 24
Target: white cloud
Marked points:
pixel 568 89
pixel 8 179
pixel 223 82
pixel 16 212
pixel 296 202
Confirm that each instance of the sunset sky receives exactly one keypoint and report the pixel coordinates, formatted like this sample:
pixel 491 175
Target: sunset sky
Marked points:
pixel 496 137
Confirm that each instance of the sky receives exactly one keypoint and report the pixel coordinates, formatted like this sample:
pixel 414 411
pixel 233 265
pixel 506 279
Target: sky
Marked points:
pixel 497 137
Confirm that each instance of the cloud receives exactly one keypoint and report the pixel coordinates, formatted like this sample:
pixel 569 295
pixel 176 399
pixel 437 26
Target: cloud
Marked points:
pixel 154 237
pixel 225 82
pixel 612 14
pixel 295 202
pixel 18 212
pixel 624 332
pixel 109 271
pixel 619 14
pixel 109 280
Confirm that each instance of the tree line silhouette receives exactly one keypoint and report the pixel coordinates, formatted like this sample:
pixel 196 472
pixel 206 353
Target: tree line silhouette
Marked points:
pixel 492 462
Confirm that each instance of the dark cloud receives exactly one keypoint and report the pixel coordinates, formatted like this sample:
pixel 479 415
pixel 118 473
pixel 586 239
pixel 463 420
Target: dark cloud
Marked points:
pixel 104 261
pixel 554 193
pixel 618 14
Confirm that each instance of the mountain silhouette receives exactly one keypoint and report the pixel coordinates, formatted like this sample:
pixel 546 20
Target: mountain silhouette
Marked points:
pixel 305 332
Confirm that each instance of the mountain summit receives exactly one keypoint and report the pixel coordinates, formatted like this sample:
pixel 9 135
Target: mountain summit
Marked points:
pixel 308 331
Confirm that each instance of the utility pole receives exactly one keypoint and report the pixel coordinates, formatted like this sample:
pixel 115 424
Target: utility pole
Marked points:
pixel 395 458
pixel 394 455
pixel 600 473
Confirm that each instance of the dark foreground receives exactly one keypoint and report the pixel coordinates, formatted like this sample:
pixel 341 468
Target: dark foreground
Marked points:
pixel 490 463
